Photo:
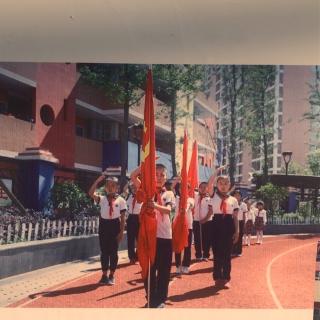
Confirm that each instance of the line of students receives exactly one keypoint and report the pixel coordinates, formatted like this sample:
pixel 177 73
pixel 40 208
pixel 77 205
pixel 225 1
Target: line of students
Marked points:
pixel 215 219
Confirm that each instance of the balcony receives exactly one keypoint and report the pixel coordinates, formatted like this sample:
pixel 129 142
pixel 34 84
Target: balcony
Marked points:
pixel 15 135
pixel 88 153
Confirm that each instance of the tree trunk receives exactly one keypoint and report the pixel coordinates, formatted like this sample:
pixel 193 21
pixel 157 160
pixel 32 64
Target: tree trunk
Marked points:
pixel 124 138
pixel 173 135
pixel 233 103
pixel 265 142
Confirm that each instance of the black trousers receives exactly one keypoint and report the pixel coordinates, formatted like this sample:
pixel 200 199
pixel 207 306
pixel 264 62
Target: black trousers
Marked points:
pixel 108 231
pixel 202 238
pixel 160 273
pixel 222 232
pixel 186 253
pixel 132 235
pixel 237 247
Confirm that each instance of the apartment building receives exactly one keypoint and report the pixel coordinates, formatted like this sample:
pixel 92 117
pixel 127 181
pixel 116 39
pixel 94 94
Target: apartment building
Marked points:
pixel 291 132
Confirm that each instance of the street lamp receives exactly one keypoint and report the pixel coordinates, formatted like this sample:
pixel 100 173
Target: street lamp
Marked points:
pixel 287 158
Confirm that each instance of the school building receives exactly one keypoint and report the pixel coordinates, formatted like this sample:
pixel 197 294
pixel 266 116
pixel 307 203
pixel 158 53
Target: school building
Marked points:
pixel 56 127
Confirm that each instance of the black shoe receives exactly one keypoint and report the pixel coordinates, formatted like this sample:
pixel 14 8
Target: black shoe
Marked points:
pixel 104 279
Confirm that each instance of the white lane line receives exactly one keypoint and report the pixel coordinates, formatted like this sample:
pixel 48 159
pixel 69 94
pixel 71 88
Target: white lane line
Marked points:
pixel 268 272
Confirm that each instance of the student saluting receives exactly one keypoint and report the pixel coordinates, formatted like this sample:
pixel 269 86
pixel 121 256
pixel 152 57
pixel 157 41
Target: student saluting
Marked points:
pixel 111 225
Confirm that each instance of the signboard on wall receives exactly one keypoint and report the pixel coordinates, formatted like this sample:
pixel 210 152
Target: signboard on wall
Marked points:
pixel 4 199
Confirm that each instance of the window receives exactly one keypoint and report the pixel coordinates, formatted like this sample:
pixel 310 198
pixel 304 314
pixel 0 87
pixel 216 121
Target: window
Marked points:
pixel 255 152
pixel 279 133
pixel 280 106
pixel 281 92
pixel 279 148
pixel 240 170
pixel 280 120
pixel 240 146
pixel 79 131
pixel 256 165
pixel 240 157
pixel 270 163
pixel 281 78
pixel 47 115
pixel 218 96
pixel 279 162
pixel 201 160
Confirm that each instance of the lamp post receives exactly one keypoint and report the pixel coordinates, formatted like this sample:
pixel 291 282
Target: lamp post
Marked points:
pixel 287 158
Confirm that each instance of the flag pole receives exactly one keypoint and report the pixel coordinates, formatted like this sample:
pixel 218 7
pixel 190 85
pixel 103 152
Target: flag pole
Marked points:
pixel 149 266
pixel 149 285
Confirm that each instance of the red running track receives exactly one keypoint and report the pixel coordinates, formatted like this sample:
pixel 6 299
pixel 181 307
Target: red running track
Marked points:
pixel 277 274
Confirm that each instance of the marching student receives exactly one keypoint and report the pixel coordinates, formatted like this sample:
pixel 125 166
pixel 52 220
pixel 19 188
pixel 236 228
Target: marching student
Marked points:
pixel 237 248
pixel 225 231
pixel 260 220
pixel 160 271
pixel 111 225
pixel 201 225
pixel 249 222
pixel 134 209
pixel 184 267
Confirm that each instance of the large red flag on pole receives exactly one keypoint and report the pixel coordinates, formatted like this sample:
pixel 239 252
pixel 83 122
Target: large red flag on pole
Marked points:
pixel 193 173
pixel 146 246
pixel 180 227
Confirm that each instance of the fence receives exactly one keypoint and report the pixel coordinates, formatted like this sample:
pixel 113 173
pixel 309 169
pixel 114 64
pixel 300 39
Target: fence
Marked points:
pixel 278 220
pixel 46 229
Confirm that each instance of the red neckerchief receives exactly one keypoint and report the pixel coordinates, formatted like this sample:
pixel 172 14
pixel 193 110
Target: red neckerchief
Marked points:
pixel 199 203
pixel 223 204
pixel 111 199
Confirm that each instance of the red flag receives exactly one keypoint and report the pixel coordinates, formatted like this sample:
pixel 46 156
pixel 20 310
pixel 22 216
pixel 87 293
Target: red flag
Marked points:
pixel 180 227
pixel 193 173
pixel 146 246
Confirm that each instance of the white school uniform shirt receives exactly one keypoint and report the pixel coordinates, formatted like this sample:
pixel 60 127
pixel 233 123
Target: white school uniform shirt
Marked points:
pixel 190 205
pixel 232 204
pixel 251 214
pixel 263 214
pixel 119 204
pixel 200 208
pixel 164 230
pixel 137 206
pixel 242 210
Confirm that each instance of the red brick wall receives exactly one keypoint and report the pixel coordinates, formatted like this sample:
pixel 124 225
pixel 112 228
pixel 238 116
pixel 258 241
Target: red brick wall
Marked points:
pixel 55 82
pixel 25 69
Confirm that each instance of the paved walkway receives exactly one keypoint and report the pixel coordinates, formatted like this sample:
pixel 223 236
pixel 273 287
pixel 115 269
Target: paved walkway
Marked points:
pixel 278 274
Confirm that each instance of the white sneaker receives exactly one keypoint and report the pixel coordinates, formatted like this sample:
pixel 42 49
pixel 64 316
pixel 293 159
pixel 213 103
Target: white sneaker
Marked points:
pixel 185 270
pixel 179 270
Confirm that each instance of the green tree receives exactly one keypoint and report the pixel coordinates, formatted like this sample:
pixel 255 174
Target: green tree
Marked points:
pixel 272 195
pixel 258 110
pixel 231 94
pixel 314 162
pixel 67 199
pixel 296 168
pixel 124 84
pixel 171 83
pixel 314 114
